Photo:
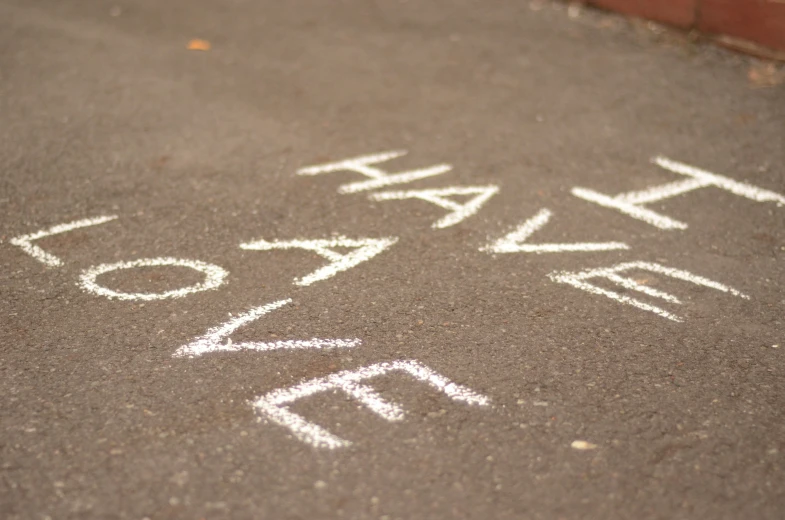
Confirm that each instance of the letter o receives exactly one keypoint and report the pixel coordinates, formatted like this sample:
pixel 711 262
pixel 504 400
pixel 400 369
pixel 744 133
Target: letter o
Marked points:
pixel 214 277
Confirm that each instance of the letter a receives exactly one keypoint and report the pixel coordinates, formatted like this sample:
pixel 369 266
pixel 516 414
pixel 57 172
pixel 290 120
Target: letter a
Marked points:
pixel 364 249
pixel 439 196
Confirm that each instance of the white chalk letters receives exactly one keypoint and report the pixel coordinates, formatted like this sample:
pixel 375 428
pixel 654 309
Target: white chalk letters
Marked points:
pixel 273 406
pixel 514 242
pixel 611 273
pixel 378 177
pixel 213 341
pixel 439 197
pixel 48 259
pixel 364 249
pixel 631 203
pixel 214 277
pixel 381 179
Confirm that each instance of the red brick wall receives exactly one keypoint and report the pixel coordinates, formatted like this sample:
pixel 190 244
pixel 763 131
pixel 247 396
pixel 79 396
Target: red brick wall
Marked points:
pixel 680 13
pixel 760 21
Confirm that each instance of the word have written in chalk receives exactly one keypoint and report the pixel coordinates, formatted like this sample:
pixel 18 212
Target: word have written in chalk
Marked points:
pixel 379 178
pixel 273 406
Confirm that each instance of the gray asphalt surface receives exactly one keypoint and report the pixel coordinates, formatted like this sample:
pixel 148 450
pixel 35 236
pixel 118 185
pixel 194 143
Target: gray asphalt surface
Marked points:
pixel 103 111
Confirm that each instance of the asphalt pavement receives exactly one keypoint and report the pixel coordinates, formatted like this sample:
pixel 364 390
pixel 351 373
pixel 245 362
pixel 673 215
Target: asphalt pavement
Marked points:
pixel 385 260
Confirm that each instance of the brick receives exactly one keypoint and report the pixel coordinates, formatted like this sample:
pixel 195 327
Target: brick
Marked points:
pixel 680 13
pixel 760 21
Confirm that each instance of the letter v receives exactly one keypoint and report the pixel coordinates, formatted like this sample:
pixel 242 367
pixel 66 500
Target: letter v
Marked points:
pixel 459 212
pixel 213 340
pixel 514 242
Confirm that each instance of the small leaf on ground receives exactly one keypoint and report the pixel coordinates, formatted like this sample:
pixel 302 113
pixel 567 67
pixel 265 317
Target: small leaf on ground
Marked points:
pixel 198 45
